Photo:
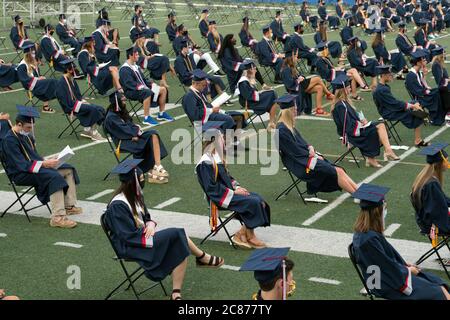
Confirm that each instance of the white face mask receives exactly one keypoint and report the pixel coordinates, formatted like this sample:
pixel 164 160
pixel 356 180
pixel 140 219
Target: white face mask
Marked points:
pixel 24 133
pixel 64 21
pixel 33 55
pixel 359 44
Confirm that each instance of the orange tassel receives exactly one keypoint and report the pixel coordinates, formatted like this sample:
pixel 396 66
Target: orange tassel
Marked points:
pixel 213 216
pixel 434 236
pixel 117 151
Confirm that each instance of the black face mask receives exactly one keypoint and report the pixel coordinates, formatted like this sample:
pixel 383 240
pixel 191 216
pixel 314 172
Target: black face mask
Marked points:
pixel 140 11
pixel 300 31
pixel 185 33
pixel 233 42
pixel 52 32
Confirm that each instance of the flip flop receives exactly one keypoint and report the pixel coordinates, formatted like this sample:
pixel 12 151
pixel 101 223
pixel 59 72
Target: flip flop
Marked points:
pixel 422 144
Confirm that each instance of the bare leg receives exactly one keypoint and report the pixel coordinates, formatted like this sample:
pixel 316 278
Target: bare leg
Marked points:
pixel 156 150
pixel 354 86
pixel 417 135
pixel 178 277
pixel 384 139
pixel 446 294
pixel 273 113
pixel 319 94
pixel 162 99
pixel 345 182
pixel 115 75
pixel 355 75
pixel 373 84
pixel 146 105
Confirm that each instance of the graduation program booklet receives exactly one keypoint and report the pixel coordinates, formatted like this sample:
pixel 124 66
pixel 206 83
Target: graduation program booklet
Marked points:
pixel 101 65
pixel 64 156
pixel 220 100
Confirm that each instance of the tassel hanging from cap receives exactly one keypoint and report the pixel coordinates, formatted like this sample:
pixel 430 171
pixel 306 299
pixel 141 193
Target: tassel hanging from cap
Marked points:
pixel 434 235
pixel 213 209
pixel 117 151
pixel 51 62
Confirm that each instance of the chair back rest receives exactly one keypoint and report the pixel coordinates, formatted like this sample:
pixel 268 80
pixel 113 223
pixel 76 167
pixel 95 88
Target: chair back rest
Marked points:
pixel 108 231
pixel 351 254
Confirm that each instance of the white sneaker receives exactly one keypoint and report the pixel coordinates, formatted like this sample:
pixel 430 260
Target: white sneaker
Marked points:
pixel 96 136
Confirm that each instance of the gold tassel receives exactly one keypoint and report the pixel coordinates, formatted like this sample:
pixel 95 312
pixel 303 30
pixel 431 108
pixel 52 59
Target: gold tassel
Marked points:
pixel 435 236
pixel 213 216
pixel 51 62
pixel 117 151
pixel 30 95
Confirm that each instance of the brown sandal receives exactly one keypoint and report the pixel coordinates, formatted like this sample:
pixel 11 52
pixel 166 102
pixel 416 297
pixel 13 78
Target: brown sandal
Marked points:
pixel 175 291
pixel 214 262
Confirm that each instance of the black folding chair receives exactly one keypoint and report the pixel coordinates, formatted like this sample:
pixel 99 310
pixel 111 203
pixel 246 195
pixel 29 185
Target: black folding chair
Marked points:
pixel 251 119
pixel 72 124
pixel 19 196
pixel 222 225
pixel 2 42
pixel 351 254
pixel 113 150
pixel 31 99
pixel 18 56
pixel 294 185
pixel 134 108
pixel 131 277
pixel 90 90
pixel 390 125
pixel 349 151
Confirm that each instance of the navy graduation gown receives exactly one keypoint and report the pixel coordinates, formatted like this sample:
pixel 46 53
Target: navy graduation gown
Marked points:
pixel 151 46
pixel 213 45
pixel 428 98
pixel 404 44
pixel 198 109
pixel 24 167
pixel 326 69
pixel 306 17
pixel 71 101
pixel 122 133
pixel 138 20
pixel 366 66
pixel 170 247
pixel 334 47
pixel 440 76
pixel 171 31
pixel 8 75
pixel 294 152
pixel 247 39
pixel 100 77
pixel 432 208
pixel 293 86
pixel 52 52
pixel 278 33
pixel 67 38
pixel 102 50
pixel 157 65
pixel 18 41
pixel 266 52
pixel 422 40
pixel 231 66
pixel 351 129
pixel 176 44
pixel 397 283
pixel 44 89
pixel 393 109
pixel 136 87
pixel 253 210
pixel 332 20
pixel 296 43
pixel 259 102
pixel 396 59
pixel 204 28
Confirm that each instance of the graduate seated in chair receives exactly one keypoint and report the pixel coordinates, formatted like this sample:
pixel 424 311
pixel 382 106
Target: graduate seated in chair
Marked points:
pixel 297 84
pixel 157 64
pixel 171 27
pixel 112 34
pixel 428 199
pixel 67 35
pixel 347 32
pixel 421 36
pixel 197 55
pixel 137 88
pixel 141 26
pixel 332 20
pixel 184 67
pixel 395 59
pixel 73 104
pixel 224 192
pixel 440 75
pixel 329 72
pixel 215 39
pixel 399 280
pixel 429 98
pixel 247 39
pixel 52 181
pixel 306 16
pixel 334 47
pixel 51 50
pixel 105 50
pixel 273 271
pixel 128 137
pixel 355 129
pixel 232 61
pixel 203 24
pixel 103 76
pixel 268 55
pixel 250 98
pixel 361 62
pixel 411 115
pixel 404 44
pixel 135 236
pixel 302 159
pixel 31 80
pixel 296 44
pixel 19 37
pixel 8 75
pixel 277 29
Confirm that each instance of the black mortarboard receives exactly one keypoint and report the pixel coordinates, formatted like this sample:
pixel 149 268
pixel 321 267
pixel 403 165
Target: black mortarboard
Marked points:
pixel 435 153
pixel 298 25
pixel 199 75
pixel 62 16
pixel 267 265
pixel 244 19
pixel 341 81
pixel 126 171
pixel 437 51
pixel 371 196
pixel 105 22
pixel 17 18
pixel 348 16
pixel 67 63
pixel 383 69
pixel 278 13
pixel 171 14
pixel 287 101
pixel 423 22
pixel 417 55
pixel 247 64
pixel 88 39
pixel 26 114
pixel 321 46
pixel 130 51
pixel 28 47
pixel 265 28
pixel 205 10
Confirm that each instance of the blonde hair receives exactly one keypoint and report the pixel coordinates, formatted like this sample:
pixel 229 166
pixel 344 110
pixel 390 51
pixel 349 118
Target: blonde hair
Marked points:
pixel 203 16
pixel 439 59
pixel 427 173
pixel 216 35
pixel 341 95
pixel 285 117
pixel 251 79
pixel 30 62
pixel 21 30
pixel 369 220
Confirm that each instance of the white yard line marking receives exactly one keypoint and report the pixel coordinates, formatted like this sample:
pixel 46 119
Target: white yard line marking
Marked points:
pixel 167 203
pixel 326 281
pixel 3 235
pixel 68 244
pixel 345 196
pixel 228 267
pixel 100 194
pixel 391 229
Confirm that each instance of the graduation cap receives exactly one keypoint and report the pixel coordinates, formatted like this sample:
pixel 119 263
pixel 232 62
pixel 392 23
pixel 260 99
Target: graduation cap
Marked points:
pixel 341 81
pixel 61 16
pixel 321 46
pixel 88 39
pixel 437 51
pixel 383 69
pixel 28 47
pixel 171 14
pixel 67 63
pixel 278 13
pixel 402 25
pixel 205 10
pixel 26 114
pixel 130 51
pixel 128 170
pixel 17 18
pixel 247 64
pixel 266 28
pixel 435 153
pixel 212 22
pixel 268 264
pixel 418 55
pixel 199 75
pixel 298 25
pixel 287 101
pixel 244 19
pixel 371 196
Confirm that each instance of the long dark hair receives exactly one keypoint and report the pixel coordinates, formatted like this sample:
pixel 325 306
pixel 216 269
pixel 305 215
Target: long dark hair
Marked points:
pixel 377 40
pixel 353 45
pixel 227 44
pixel 289 63
pixel 123 112
pixel 128 188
